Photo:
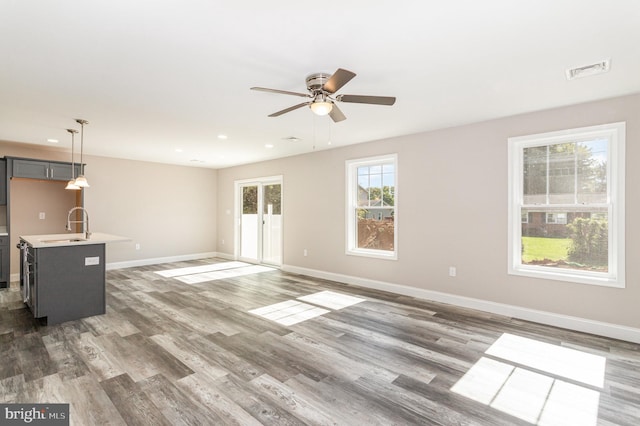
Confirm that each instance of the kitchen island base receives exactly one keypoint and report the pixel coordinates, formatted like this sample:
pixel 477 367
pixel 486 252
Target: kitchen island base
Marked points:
pixel 65 283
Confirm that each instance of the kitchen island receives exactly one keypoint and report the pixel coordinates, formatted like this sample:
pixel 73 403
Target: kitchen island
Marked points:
pixel 62 276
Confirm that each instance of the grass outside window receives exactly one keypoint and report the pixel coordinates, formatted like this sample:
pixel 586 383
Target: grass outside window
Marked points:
pixel 541 248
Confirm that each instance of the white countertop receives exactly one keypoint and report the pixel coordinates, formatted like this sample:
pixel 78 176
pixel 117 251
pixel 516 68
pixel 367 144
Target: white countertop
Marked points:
pixel 59 240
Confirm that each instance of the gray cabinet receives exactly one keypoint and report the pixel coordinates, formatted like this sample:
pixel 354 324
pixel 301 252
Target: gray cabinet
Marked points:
pixel 4 261
pixel 46 170
pixel 3 182
pixel 66 283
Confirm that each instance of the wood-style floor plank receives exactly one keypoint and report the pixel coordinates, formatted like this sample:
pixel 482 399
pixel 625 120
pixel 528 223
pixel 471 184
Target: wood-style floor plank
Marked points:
pixel 169 353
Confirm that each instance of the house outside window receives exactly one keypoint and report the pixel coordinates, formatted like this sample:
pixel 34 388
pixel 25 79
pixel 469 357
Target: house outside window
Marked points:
pixel 372 207
pixel 570 186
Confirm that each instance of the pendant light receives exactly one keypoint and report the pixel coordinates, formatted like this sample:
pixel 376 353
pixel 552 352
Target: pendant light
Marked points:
pixel 72 183
pixel 81 181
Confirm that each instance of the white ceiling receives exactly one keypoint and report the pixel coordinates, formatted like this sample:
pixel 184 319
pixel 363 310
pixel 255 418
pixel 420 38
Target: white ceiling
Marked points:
pixel 154 76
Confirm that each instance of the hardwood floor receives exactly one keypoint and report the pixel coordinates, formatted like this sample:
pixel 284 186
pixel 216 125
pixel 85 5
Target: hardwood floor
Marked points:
pixel 170 353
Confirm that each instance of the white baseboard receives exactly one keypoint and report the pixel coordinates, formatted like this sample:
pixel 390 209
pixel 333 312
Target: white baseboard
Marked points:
pixel 226 256
pixel 152 261
pixel 156 260
pixel 614 331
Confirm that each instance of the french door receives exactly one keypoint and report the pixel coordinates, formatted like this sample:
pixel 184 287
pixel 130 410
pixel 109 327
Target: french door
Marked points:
pixel 259 213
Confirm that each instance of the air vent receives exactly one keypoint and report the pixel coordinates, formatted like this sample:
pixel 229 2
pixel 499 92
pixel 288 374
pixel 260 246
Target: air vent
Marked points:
pixel 587 70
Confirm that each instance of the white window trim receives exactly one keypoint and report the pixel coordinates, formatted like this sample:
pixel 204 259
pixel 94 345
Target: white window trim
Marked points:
pixel 351 167
pixel 615 277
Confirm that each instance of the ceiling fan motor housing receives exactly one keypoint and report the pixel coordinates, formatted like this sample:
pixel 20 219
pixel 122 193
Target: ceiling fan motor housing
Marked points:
pixel 317 80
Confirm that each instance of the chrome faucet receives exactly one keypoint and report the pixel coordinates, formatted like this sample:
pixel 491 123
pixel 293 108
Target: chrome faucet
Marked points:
pixel 84 221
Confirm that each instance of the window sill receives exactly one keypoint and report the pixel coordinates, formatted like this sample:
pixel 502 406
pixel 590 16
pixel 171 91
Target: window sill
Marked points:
pixel 602 280
pixel 375 254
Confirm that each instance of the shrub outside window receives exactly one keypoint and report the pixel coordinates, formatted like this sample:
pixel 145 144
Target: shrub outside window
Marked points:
pixel 570 186
pixel 372 207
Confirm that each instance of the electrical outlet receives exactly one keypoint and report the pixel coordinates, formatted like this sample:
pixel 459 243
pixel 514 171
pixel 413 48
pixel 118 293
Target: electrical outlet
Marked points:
pixel 42 215
pixel 304 252
pixel 222 242
pixel 137 246
pixel 452 271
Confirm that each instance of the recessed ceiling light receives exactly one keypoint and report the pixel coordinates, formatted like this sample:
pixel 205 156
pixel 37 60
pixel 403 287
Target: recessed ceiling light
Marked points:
pixel 178 149
pixel 586 70
pixel 196 160
pixel 53 140
pixel 221 136
pixel 268 145
pixel 292 139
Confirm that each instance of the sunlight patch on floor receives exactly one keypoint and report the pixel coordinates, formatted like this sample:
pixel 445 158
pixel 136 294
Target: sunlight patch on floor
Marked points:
pixel 170 273
pixel 509 386
pixel 289 312
pixel 292 311
pixel 569 363
pixel 331 300
pixel 223 274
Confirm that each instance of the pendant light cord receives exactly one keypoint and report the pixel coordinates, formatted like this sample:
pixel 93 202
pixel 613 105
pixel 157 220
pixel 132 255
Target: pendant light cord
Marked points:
pixel 81 146
pixel 73 165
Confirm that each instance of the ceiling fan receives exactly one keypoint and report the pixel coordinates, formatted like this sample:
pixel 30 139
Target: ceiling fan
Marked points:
pixel 322 88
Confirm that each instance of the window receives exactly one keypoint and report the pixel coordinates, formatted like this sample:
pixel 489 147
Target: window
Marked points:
pixel 570 187
pixel 372 207
pixel 560 218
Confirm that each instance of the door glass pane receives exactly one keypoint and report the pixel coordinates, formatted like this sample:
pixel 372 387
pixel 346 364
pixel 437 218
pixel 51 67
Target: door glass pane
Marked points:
pixel 249 223
pixel 272 224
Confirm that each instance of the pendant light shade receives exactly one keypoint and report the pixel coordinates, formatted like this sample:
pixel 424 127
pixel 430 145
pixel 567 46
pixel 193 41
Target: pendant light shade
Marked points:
pixel 72 183
pixel 81 181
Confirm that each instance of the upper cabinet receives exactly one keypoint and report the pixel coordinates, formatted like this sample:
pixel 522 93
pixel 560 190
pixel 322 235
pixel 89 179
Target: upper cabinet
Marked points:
pixel 3 182
pixel 47 170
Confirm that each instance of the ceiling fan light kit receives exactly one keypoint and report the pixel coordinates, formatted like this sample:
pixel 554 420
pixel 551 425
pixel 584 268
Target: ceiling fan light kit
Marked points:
pixel 321 107
pixel 321 87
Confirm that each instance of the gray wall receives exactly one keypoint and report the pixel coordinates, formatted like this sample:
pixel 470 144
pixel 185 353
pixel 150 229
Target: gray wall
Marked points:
pixel 169 210
pixel 452 211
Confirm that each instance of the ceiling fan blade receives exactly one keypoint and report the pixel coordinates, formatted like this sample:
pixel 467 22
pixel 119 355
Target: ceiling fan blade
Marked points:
pixel 337 80
pixel 282 92
pixel 361 99
pixel 336 115
pixel 286 110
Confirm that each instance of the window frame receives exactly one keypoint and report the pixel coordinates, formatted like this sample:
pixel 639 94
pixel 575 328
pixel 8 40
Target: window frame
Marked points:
pixel 351 204
pixel 615 134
